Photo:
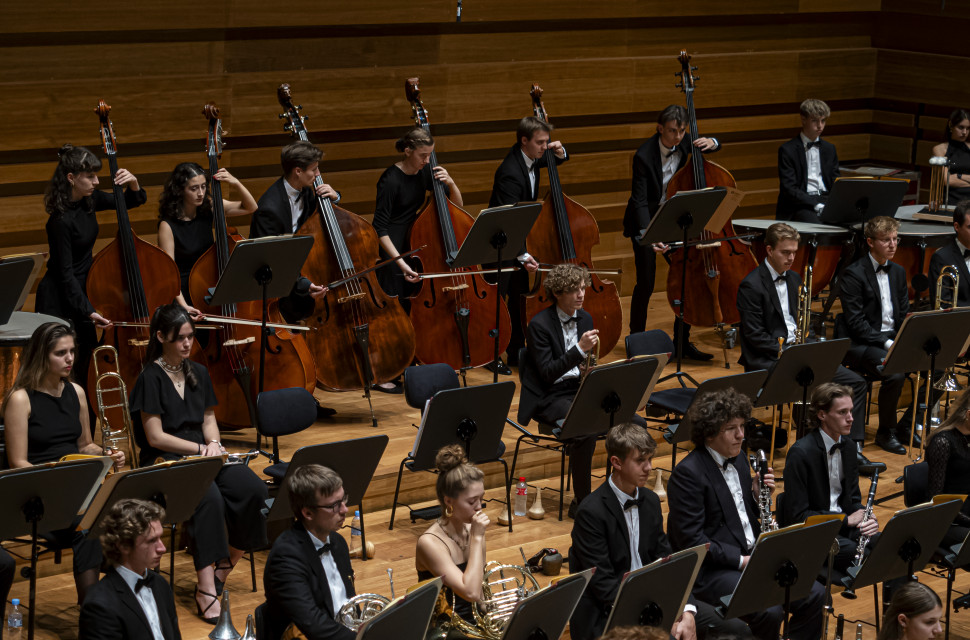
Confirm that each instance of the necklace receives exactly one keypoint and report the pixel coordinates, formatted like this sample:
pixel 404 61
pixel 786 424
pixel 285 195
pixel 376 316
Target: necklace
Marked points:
pixel 461 545
pixel 170 368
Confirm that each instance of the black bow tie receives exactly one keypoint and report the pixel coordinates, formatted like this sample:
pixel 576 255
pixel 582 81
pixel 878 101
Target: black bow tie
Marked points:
pixel 836 447
pixel 669 152
pixel 322 550
pixel 728 461
pixel 633 502
pixel 572 319
pixel 814 143
pixel 780 278
pixel 146 581
pixel 883 267
pixel 966 254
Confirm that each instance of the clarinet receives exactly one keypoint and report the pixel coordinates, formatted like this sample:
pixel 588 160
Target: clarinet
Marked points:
pixel 863 539
pixel 768 522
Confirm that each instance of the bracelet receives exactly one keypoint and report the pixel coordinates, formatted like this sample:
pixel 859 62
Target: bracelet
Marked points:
pixel 201 449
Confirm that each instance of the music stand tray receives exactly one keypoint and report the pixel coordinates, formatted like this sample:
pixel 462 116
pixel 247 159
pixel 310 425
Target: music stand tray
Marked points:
pixel 800 369
pixel 747 384
pixel 544 614
pixel 927 339
pixel 609 395
pixel 852 199
pixel 655 595
pixel 406 618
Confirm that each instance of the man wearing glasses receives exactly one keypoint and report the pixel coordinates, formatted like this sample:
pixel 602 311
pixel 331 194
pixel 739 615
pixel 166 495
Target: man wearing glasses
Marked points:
pixel 875 300
pixel 308 576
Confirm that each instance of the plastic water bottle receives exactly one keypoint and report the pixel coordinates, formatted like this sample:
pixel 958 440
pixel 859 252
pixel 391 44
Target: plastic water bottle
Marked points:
pixel 520 496
pixel 15 621
pixel 355 532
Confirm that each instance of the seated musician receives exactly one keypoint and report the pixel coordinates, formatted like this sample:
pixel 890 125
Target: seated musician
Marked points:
pixel 875 300
pixel 948 457
pixel 807 167
pixel 308 576
pixel 131 602
pixel 821 473
pixel 955 253
pixel 7 568
pixel 915 612
pixel 46 417
pixel 619 528
pixel 454 546
pixel 713 500
pixel 956 150
pixel 768 302
pixel 171 411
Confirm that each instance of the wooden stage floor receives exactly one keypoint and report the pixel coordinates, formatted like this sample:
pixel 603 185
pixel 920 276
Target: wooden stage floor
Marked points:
pixel 58 612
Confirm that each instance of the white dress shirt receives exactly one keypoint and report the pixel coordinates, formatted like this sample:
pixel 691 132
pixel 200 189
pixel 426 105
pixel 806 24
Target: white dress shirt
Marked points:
pixel 885 299
pixel 834 459
pixel 338 593
pixel 781 290
pixel 570 336
pixel 669 160
pixel 966 260
pixel 632 518
pixel 815 184
pixel 737 492
pixel 145 598
pixel 296 204
pixel 532 174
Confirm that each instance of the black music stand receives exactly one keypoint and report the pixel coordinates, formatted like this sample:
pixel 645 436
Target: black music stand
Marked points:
pixel 800 369
pixel 957 556
pixel 655 595
pixel 355 461
pixel 493 230
pixel 48 496
pixel 782 568
pixel 858 199
pixel 680 218
pixel 406 618
pixel 544 614
pixel 462 416
pixel 609 395
pixel 18 274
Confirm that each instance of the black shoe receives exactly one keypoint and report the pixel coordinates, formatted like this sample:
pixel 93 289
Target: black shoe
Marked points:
pixel 325 412
pixel 903 436
pixel 396 388
pixel 691 352
pixel 867 467
pixel 500 367
pixel 889 443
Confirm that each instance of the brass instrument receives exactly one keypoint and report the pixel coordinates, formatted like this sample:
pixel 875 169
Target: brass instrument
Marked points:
pixel 364 606
pixel 499 598
pixel 803 322
pixel 939 184
pixel 591 359
pixel 227 458
pixel 224 628
pixel 768 522
pixel 949 380
pixel 115 418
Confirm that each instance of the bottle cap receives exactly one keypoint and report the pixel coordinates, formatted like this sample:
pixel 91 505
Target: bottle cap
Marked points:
pixel 15 601
pixel 357 514
pixel 522 479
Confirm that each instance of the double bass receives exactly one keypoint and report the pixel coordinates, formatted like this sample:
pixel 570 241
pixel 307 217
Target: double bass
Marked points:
pixel 718 263
pixel 232 354
pixel 116 286
pixel 361 336
pixel 566 232
pixel 456 313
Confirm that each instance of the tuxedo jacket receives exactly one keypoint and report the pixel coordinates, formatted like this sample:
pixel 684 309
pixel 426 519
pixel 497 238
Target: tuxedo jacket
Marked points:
pixel 793 175
pixel 862 306
pixel 807 480
pixel 273 216
pixel 950 254
pixel 511 183
pixel 762 319
pixel 702 511
pixel 647 186
pixel 112 612
pixel 297 590
pixel 547 357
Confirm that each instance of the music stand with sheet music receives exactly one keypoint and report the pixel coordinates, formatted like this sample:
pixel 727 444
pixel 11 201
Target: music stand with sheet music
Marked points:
pixel 852 199
pixel 681 218
pixel 544 614
pixel 655 595
pixel 355 461
pixel 466 416
pixel 50 497
pixel 782 568
pixel 406 618
pixel 18 274
pixel 493 230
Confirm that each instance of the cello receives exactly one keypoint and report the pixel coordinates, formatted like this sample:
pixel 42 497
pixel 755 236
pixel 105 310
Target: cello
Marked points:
pixel 566 232
pixel 361 336
pixel 117 288
pixel 229 355
pixel 718 263
pixel 456 313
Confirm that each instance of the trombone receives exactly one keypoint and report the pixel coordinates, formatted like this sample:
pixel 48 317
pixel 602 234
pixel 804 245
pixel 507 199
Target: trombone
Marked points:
pixel 115 418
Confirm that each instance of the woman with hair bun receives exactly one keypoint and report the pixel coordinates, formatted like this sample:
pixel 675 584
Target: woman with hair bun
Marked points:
pixel 956 150
pixel 454 546
pixel 913 614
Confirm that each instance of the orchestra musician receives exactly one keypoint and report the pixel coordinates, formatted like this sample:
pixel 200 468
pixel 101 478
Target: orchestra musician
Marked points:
pixel 619 528
pixel 517 180
pixel 768 302
pixel 45 418
pixel 875 300
pixel 185 218
pixel 822 475
pixel 956 150
pixel 807 167
pixel 712 499
pixel 131 602
pixel 454 546
pixel 7 568
pixel 172 415
pixel 654 164
pixel 308 576
pixel 71 200
pixel 914 613
pixel 948 457
pixel 955 253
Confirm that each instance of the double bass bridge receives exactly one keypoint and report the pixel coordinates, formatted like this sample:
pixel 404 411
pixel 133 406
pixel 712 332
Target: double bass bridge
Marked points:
pixel 353 296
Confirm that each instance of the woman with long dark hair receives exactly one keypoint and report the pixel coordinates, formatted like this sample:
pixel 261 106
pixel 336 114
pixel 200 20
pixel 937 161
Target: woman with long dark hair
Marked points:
pixel 948 457
pixel 185 218
pixel 956 150
pixel 171 411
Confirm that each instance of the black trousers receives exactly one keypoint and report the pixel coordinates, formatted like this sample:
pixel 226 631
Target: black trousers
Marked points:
pixel 866 359
pixel 806 214
pixel 7 568
pixel 645 260
pixel 230 513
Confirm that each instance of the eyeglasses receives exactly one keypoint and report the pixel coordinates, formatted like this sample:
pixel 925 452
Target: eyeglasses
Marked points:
pixel 333 506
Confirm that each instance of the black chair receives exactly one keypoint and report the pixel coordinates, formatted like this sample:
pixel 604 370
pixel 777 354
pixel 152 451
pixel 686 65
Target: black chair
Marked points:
pixel 421 382
pixel 283 412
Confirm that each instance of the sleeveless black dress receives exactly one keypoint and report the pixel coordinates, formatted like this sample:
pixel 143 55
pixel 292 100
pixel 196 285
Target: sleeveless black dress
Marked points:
pixel 462 607
pixel 958 153
pixel 192 239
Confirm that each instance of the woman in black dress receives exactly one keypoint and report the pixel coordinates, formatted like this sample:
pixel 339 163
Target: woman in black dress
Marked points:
pixel 948 457
pixel 171 410
pixel 185 218
pixel 956 150
pixel 45 418
pixel 71 201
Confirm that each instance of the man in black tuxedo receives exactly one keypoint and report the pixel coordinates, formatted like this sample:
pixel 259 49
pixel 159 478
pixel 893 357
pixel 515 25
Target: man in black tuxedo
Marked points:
pixel 768 305
pixel 821 475
pixel 712 501
pixel 807 167
pixel 517 180
pixel 308 576
pixel 955 253
pixel 874 304
pixel 619 528
pixel 654 164
pixel 131 602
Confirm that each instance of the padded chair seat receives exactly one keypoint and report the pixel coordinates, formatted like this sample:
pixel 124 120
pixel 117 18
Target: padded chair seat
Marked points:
pixel 277 471
pixel 673 400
